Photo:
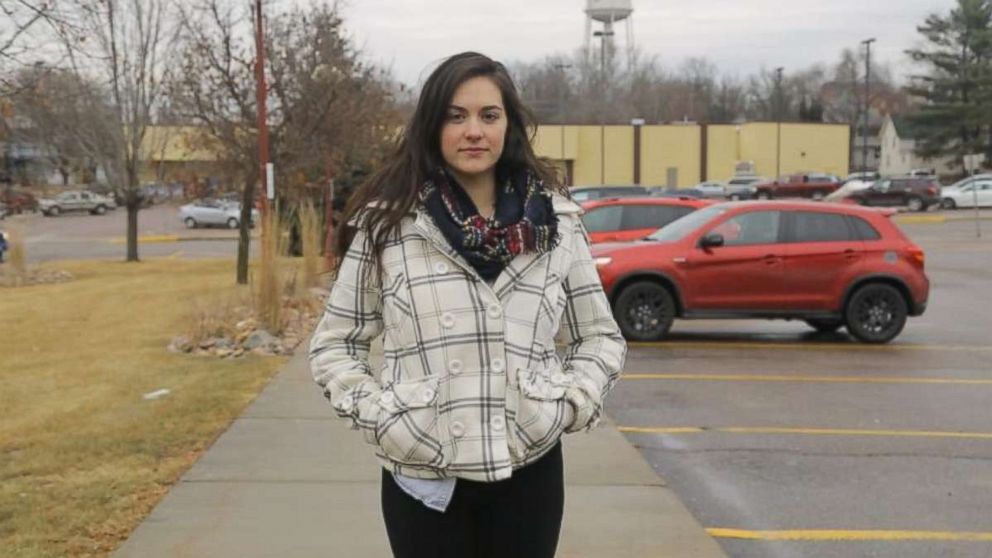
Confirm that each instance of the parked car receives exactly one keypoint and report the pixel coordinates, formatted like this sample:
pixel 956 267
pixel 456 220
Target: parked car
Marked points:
pixel 923 172
pixel 213 213
pixel 623 219
pixel 979 191
pixel 74 200
pixel 847 188
pixel 949 194
pixel 804 185
pixel 17 201
pixel 689 193
pixel 915 193
pixel 586 193
pixel 865 176
pixel 831 265
pixel 711 189
pixel 3 211
pixel 741 187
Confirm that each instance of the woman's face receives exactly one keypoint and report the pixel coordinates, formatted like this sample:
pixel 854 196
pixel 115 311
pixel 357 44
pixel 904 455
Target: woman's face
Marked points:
pixel 474 129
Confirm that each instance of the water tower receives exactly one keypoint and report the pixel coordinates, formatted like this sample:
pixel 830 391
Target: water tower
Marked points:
pixel 608 12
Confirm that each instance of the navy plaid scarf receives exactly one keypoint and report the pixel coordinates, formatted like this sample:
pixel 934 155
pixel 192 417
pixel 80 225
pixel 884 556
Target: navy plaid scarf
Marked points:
pixel 524 220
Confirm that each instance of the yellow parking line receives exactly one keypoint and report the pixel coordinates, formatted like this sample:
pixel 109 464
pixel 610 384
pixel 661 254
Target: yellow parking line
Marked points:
pixel 802 345
pixel 795 378
pixel 809 431
pixel 148 239
pixel 916 219
pixel 848 535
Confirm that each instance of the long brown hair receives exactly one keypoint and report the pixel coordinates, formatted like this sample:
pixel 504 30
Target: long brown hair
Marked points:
pixel 418 152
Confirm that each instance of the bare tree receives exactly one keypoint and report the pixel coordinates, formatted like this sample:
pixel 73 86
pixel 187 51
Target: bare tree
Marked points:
pixel 329 113
pixel 67 116
pixel 19 18
pixel 120 45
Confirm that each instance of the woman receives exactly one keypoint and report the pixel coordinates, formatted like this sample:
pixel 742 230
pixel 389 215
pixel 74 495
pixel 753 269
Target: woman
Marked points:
pixel 469 263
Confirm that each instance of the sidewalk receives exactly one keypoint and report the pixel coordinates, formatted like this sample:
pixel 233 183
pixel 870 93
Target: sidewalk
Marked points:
pixel 288 479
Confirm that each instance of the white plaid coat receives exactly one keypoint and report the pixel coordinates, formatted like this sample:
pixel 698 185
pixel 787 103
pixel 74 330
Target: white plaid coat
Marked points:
pixel 472 385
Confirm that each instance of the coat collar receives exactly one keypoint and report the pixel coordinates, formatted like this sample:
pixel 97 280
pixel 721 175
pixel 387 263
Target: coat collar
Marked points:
pixel 518 266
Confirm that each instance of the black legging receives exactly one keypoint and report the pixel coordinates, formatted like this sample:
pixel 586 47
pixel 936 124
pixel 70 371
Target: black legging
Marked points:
pixel 519 517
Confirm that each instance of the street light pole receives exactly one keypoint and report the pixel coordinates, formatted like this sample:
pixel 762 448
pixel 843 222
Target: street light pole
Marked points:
pixel 561 115
pixel 778 121
pixel 864 126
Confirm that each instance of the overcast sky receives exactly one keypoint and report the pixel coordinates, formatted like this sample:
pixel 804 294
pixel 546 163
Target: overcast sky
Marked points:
pixel 739 36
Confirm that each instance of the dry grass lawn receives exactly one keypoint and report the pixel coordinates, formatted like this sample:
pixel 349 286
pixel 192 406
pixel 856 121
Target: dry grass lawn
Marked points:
pixel 83 457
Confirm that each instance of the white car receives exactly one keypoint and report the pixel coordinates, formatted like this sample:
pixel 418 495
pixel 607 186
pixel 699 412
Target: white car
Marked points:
pixel 849 187
pixel 710 189
pixel 208 213
pixel 966 193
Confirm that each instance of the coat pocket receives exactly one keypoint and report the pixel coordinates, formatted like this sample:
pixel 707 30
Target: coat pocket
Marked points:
pixel 542 411
pixel 407 430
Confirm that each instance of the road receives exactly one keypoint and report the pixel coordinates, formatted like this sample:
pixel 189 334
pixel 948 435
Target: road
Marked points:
pixel 85 236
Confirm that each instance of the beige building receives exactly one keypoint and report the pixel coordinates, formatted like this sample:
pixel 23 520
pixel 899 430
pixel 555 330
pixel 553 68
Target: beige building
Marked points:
pixel 681 155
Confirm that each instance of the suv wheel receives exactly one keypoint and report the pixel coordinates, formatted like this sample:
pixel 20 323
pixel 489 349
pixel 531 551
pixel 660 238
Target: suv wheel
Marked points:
pixel 764 196
pixel 54 211
pixel 825 325
pixel 99 210
pixel 948 203
pixel 875 313
pixel 190 223
pixel 735 197
pixel 644 311
pixel 915 204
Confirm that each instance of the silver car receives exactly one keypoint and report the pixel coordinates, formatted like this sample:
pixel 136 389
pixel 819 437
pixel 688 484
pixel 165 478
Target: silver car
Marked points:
pixel 741 187
pixel 213 213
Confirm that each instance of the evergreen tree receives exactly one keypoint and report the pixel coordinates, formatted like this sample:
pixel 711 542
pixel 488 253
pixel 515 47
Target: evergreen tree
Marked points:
pixel 956 119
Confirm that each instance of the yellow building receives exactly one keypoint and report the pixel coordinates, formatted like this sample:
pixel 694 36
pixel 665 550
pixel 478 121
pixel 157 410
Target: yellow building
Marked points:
pixel 681 155
pixel 179 154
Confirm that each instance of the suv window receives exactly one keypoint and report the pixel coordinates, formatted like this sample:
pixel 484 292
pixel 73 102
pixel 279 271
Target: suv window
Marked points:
pixel 746 229
pixel 651 216
pixel 602 219
pixel 815 226
pixel 864 229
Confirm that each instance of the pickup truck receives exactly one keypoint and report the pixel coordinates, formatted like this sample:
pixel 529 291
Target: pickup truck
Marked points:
pixel 76 201
pixel 805 185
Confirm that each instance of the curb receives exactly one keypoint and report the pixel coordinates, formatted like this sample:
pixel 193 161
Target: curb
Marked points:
pixel 167 238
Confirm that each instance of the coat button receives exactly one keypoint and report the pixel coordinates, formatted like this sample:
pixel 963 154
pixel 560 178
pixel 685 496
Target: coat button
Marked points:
pixel 387 397
pixel 448 320
pixel 457 429
pixel 455 366
pixel 441 267
pixel 495 311
pixel 347 403
pixel 498 365
pixel 428 395
pixel 498 423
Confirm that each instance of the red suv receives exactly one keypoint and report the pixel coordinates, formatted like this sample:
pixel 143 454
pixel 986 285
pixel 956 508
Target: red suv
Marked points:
pixel 622 219
pixel 831 265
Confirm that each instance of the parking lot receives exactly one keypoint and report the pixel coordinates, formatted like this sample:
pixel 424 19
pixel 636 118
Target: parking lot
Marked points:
pixel 781 441
pixel 85 236
pixel 785 442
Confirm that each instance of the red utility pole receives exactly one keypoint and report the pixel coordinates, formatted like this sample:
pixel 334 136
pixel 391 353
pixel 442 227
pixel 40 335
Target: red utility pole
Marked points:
pixel 260 100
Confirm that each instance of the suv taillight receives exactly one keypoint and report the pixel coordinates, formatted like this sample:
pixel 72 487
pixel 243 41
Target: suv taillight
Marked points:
pixel 933 190
pixel 917 257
